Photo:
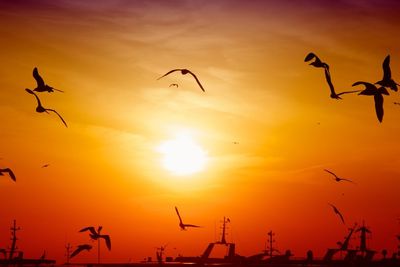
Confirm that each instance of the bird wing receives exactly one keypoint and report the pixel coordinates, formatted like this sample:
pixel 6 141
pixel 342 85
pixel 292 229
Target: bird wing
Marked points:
pixel 387 74
pixel 190 225
pixel 370 89
pixel 10 172
pixel 37 77
pixel 179 216
pixel 169 72
pixel 58 116
pixel 340 215
pixel 310 56
pixel 90 228
pixel 197 80
pixel 348 180
pixel 329 81
pixel 33 93
pixel 79 249
pixel 333 175
pixel 349 92
pixel 379 106
pixel 108 241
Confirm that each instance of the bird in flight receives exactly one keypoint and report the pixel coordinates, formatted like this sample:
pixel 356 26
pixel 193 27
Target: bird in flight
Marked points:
pixel 387 80
pixel 95 235
pixel 334 95
pixel 181 224
pixel 45 165
pixel 370 89
pixel 338 179
pixel 41 86
pixel 79 249
pixel 317 62
pixel 10 172
pixel 396 103
pixel 337 212
pixel 41 109
pixel 174 84
pixel 184 72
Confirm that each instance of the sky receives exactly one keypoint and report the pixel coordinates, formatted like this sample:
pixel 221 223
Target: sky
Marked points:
pixel 266 124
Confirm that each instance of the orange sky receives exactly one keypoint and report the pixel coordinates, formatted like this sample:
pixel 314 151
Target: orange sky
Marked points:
pixel 105 168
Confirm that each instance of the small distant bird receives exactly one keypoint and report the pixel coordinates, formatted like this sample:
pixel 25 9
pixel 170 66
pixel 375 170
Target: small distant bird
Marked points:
pixel 181 224
pixel 174 84
pixel 41 86
pixel 387 80
pixel 45 165
pixel 396 103
pixel 370 89
pixel 338 179
pixel 235 143
pixel 96 235
pixel 337 212
pixel 41 109
pixel 334 95
pixel 80 248
pixel 317 62
pixel 10 172
pixel 184 72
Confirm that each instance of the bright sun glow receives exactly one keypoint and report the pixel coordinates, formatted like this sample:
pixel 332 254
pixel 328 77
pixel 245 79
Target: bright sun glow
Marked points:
pixel 183 155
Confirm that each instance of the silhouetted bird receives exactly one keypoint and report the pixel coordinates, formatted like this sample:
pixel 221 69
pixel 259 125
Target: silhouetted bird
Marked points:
pixel 337 212
pixel 184 72
pixel 235 143
pixel 96 235
pixel 41 109
pixel 317 62
pixel 396 103
pixel 174 84
pixel 45 165
pixel 41 86
pixel 338 179
pixel 10 172
pixel 80 248
pixel 370 89
pixel 334 95
pixel 387 80
pixel 181 224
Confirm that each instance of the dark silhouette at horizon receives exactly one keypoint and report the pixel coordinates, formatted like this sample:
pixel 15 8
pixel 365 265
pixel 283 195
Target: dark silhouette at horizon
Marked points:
pixel 10 173
pixel 319 64
pixel 337 212
pixel 41 109
pixel 370 89
pixel 181 224
pixel 41 86
pixel 387 80
pixel 79 249
pixel 337 178
pixel 184 72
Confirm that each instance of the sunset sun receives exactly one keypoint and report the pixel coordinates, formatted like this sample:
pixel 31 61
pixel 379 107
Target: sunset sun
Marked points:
pixel 182 155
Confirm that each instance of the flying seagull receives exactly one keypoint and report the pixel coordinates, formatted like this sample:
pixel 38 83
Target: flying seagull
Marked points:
pixel 80 248
pixel 45 165
pixel 181 224
pixel 41 86
pixel 10 172
pixel 184 72
pixel 370 89
pixel 334 95
pixel 174 84
pixel 41 109
pixel 317 62
pixel 337 212
pixel 338 179
pixel 95 235
pixel 387 80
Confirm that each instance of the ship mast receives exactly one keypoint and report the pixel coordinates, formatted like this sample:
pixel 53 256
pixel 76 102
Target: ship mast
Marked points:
pixel 14 239
pixel 363 237
pixel 68 248
pixel 271 240
pixel 223 240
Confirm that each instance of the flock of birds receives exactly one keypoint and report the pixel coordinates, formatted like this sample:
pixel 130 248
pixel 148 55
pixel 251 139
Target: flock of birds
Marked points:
pixel 370 88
